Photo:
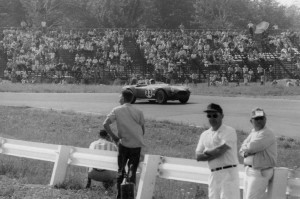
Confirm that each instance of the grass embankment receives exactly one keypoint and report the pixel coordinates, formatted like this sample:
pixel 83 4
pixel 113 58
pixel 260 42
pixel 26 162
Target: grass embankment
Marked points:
pixel 254 89
pixel 69 128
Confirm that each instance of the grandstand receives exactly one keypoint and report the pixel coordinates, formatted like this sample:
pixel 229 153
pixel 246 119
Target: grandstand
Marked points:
pixel 100 56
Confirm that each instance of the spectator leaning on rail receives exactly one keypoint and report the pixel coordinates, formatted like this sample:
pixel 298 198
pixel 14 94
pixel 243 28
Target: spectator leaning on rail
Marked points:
pixel 218 146
pixel 259 150
pixel 107 177
pixel 130 137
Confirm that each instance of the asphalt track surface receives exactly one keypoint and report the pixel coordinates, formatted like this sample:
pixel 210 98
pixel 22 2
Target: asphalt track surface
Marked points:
pixel 283 115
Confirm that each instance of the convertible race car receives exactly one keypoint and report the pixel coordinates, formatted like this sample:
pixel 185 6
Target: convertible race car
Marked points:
pixel 160 92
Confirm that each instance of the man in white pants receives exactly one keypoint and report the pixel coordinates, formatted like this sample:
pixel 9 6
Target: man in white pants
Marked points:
pixel 218 146
pixel 259 150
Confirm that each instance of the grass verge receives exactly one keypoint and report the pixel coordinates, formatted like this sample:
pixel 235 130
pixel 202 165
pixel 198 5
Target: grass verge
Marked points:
pixel 69 128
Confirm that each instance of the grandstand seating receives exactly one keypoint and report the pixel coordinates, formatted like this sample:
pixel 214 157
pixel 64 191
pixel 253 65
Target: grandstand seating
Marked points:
pixel 69 56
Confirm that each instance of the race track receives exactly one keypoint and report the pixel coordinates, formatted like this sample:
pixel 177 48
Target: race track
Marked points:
pixel 283 114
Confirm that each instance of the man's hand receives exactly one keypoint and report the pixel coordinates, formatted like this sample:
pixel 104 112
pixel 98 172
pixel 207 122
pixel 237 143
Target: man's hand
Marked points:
pixel 246 154
pixel 202 157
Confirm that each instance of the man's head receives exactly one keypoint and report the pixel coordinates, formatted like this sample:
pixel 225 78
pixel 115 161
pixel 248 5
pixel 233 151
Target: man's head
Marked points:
pixel 258 118
pixel 103 134
pixel 126 96
pixel 215 115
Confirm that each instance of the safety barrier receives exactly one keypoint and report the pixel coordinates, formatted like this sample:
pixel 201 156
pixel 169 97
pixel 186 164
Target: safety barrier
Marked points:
pixel 285 182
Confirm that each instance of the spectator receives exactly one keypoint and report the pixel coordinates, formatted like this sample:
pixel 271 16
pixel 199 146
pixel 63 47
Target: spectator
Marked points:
pixel 260 73
pixel 130 136
pixel 259 150
pixel 251 75
pixel 251 28
pixel 218 146
pixel 108 178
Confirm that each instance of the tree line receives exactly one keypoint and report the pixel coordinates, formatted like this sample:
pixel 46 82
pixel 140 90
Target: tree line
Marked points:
pixel 157 14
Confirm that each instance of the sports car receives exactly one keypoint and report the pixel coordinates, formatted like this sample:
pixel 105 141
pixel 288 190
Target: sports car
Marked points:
pixel 160 92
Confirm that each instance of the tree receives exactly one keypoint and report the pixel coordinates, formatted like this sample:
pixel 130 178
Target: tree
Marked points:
pixel 174 12
pixel 213 13
pixel 11 13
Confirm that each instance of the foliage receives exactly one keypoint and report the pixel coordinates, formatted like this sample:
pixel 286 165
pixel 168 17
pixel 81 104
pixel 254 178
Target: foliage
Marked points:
pixel 147 13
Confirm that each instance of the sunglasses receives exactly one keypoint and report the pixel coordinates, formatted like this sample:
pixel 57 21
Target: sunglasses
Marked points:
pixel 212 116
pixel 258 118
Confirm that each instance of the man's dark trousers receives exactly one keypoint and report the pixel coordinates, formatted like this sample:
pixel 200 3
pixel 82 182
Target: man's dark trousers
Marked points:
pixel 132 155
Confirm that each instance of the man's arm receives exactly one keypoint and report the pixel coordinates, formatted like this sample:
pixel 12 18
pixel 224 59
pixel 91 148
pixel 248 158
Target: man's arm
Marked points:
pixel 203 156
pixel 106 125
pixel 216 152
pixel 143 128
pixel 244 148
pixel 260 142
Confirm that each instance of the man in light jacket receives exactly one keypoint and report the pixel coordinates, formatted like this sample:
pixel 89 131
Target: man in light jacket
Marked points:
pixel 259 150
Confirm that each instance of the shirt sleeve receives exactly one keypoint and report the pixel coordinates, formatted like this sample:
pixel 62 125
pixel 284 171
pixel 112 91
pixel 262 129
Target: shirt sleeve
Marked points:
pixel 142 119
pixel 260 142
pixel 112 116
pixel 92 145
pixel 200 147
pixel 230 137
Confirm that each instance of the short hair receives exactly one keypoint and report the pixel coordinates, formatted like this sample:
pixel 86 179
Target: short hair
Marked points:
pixel 103 133
pixel 127 95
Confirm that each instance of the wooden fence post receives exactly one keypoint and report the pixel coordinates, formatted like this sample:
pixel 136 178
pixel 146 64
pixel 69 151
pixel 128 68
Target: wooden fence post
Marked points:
pixel 278 185
pixel 148 177
pixel 60 165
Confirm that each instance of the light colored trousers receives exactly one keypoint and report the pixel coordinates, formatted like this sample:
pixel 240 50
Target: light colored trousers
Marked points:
pixel 256 182
pixel 224 184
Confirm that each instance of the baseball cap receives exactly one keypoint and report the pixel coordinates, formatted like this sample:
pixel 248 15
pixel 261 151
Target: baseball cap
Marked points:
pixel 258 112
pixel 214 108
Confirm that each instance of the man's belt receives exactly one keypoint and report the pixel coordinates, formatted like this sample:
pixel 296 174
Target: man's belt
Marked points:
pixel 247 165
pixel 220 168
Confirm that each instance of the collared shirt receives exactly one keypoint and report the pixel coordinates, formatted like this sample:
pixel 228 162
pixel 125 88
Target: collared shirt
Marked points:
pixel 102 144
pixel 130 121
pixel 210 139
pixel 263 145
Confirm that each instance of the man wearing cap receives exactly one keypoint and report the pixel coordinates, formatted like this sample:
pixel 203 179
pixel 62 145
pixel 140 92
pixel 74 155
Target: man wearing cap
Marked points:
pixel 259 150
pixel 218 146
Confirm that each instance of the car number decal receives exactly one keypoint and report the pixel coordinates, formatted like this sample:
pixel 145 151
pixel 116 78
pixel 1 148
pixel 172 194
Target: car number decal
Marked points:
pixel 149 93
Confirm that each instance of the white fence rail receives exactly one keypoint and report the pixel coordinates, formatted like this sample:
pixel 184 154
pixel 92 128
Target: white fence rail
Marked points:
pixel 285 182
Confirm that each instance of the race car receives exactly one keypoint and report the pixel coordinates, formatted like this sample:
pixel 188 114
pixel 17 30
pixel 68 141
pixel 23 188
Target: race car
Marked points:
pixel 159 92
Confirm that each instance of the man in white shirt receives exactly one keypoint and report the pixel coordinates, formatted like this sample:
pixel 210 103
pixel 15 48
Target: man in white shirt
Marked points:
pixel 218 146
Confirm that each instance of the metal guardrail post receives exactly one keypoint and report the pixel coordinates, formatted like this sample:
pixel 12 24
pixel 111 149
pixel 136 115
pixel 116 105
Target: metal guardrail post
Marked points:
pixel 60 165
pixel 277 187
pixel 148 177
pixel 293 185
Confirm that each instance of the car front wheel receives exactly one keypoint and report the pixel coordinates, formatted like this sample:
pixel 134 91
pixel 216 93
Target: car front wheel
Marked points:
pixel 161 97
pixel 184 100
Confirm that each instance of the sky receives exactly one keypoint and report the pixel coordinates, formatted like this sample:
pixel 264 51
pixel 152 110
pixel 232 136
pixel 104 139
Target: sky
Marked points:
pixel 289 2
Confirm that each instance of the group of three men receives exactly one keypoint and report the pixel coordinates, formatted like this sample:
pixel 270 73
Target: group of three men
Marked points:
pixel 217 145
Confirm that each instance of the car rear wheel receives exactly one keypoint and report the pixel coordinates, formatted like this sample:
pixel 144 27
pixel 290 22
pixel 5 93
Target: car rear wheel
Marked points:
pixel 184 100
pixel 161 97
pixel 133 100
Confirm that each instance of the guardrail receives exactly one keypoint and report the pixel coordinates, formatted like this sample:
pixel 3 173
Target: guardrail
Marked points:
pixel 285 182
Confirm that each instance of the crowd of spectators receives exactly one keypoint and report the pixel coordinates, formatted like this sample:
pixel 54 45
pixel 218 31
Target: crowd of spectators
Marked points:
pixel 171 55
pixel 174 53
pixel 76 56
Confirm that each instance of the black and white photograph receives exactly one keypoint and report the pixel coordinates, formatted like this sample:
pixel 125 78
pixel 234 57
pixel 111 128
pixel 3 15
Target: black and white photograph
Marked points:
pixel 150 99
